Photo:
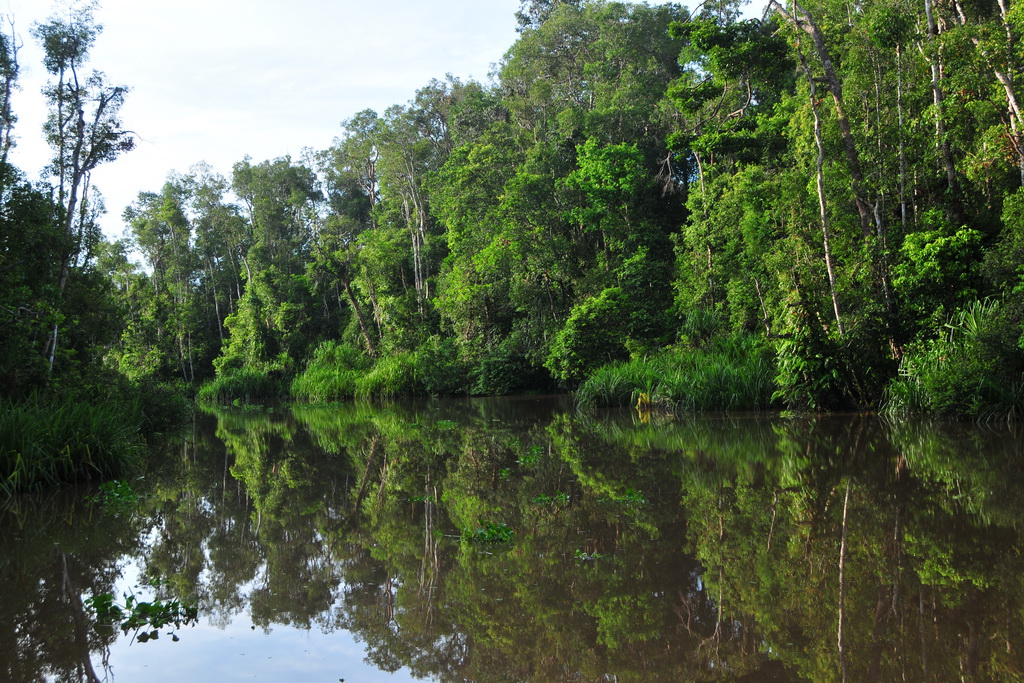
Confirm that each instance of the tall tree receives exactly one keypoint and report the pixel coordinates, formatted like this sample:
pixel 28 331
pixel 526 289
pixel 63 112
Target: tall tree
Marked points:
pixel 83 129
pixel 9 70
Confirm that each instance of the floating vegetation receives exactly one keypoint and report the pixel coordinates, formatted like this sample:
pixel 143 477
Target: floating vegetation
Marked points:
pixel 490 532
pixel 116 496
pixel 560 498
pixel 144 619
pixel 531 457
pixel 587 557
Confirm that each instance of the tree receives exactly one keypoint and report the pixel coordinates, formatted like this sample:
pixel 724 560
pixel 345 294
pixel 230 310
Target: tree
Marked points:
pixel 83 129
pixel 272 326
pixel 348 176
pixel 8 82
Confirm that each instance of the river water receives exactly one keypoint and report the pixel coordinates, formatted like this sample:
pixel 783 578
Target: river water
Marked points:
pixel 521 540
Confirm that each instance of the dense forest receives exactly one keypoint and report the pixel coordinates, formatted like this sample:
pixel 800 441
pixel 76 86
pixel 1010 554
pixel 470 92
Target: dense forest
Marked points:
pixel 818 209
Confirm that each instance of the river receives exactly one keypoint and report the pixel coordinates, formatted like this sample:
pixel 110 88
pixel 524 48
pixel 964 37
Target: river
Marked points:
pixel 518 539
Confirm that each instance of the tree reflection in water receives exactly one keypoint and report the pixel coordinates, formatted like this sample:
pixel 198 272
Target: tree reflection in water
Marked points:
pixel 712 548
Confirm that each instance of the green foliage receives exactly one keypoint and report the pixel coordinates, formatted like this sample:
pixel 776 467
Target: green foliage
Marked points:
pixel 144 619
pixel 440 368
pixel 117 495
pixel 332 373
pixel 389 377
pixel 939 269
pixel 973 369
pixel 812 373
pixel 843 194
pixel 582 556
pixel 502 370
pixel 250 385
pixel 593 335
pixel 45 441
pixel 490 532
pixel 731 373
pixel 30 248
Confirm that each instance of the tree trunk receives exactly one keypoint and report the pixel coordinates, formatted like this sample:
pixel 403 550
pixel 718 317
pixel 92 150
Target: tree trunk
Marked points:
pixel 371 348
pixel 942 142
pixel 802 20
pixel 820 184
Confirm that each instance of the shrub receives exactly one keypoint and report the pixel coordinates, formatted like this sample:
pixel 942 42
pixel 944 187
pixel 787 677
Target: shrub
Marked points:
pixel 440 368
pixel 593 335
pixel 505 371
pixel 972 369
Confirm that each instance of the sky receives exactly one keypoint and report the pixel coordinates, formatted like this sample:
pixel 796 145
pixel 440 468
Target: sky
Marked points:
pixel 216 80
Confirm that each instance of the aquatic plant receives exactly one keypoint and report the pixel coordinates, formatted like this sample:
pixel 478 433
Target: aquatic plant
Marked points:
pixel 47 441
pixel 531 457
pixel 145 619
pixel 489 532
pixel 560 498
pixel 389 377
pixel 583 556
pixel 249 385
pixel 331 373
pixel 734 373
pixel 116 496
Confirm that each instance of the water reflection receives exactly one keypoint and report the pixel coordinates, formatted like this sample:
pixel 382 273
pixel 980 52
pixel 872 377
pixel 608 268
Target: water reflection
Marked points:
pixel 716 548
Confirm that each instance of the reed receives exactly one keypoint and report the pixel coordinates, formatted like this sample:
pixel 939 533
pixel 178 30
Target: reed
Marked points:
pixel 331 374
pixel 391 376
pixel 48 441
pixel 248 385
pixel 735 373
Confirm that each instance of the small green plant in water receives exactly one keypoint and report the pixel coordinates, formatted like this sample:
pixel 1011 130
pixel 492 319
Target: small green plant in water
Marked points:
pixel 531 457
pixel 144 618
pixel 631 497
pixel 559 498
pixel 116 495
pixel 490 532
pixel 587 557
pixel 421 499
pixel 445 425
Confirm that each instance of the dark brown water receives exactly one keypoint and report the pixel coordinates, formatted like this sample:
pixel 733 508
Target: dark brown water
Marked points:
pixel 515 539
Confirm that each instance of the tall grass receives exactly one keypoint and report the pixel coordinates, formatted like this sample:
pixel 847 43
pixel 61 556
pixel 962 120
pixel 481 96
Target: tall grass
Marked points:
pixel 734 373
pixel 48 441
pixel 331 374
pixel 339 371
pixel 248 385
pixel 391 376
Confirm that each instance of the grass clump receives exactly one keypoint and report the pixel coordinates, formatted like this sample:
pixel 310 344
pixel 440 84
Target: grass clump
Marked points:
pixel 339 371
pixel 247 385
pixel 331 373
pixel 392 376
pixel 46 441
pixel 730 373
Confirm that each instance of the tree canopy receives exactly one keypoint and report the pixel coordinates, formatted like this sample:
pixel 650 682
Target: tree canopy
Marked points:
pixel 838 183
